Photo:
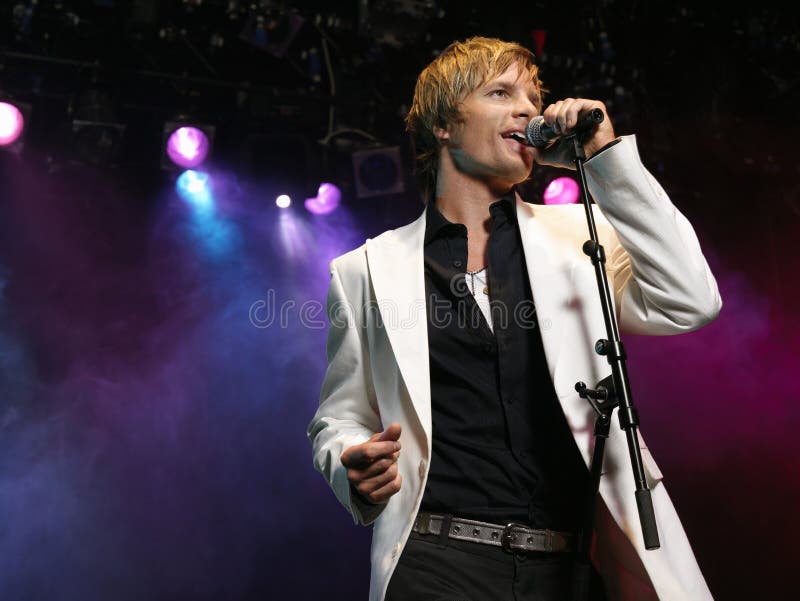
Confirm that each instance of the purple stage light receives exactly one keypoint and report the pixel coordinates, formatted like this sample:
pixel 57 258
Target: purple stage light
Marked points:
pixel 327 199
pixel 187 147
pixel 283 201
pixel 561 191
pixel 11 123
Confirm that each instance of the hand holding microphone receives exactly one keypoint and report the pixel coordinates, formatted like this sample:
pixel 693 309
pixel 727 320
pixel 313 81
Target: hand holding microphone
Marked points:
pixel 541 135
pixel 587 118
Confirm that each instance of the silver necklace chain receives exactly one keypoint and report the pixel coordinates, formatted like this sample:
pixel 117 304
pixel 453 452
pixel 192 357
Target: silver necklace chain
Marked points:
pixel 483 281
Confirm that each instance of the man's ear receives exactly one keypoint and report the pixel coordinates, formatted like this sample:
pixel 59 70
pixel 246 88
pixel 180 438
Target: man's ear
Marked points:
pixel 441 133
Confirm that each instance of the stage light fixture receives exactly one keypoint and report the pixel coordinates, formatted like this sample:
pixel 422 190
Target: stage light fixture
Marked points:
pixel 561 191
pixel 185 144
pixel 378 172
pixel 284 201
pixel 326 201
pixel 12 122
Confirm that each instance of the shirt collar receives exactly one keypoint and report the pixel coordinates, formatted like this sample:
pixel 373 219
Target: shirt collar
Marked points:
pixel 507 204
pixel 437 224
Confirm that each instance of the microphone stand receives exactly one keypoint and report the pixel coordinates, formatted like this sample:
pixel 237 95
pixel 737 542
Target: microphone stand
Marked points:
pixel 611 392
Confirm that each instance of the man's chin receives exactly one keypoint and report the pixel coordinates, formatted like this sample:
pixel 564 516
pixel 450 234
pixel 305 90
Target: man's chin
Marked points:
pixel 503 185
pixel 520 175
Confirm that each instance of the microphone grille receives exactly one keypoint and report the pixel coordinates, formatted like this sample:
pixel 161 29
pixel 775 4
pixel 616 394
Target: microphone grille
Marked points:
pixel 533 132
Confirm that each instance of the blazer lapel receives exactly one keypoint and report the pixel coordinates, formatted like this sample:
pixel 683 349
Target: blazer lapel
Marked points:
pixel 552 247
pixel 549 277
pixel 397 271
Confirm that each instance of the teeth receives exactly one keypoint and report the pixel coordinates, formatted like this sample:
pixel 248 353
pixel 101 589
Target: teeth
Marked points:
pixel 518 137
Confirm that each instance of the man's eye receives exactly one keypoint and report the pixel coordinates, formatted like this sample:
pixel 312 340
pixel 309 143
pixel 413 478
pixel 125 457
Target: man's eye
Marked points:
pixel 500 92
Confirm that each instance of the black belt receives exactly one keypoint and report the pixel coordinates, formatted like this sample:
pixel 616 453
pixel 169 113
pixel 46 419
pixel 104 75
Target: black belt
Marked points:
pixel 511 537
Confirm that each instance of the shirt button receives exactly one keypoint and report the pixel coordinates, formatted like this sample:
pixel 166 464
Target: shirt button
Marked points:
pixel 457 263
pixel 422 466
pixel 395 550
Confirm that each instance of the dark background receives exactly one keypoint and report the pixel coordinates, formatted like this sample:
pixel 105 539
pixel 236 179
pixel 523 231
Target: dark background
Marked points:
pixel 152 415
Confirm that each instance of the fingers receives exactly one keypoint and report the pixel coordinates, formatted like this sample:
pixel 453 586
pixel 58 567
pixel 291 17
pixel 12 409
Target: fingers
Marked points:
pixel 381 488
pixel 391 433
pixel 372 466
pixel 376 479
pixel 378 467
pixel 380 445
pixel 563 115
pixel 363 455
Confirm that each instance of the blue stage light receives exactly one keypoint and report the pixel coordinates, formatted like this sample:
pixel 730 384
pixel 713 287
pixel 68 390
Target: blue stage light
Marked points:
pixel 195 187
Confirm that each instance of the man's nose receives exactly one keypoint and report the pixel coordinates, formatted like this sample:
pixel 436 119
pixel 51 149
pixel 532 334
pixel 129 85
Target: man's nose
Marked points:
pixel 525 108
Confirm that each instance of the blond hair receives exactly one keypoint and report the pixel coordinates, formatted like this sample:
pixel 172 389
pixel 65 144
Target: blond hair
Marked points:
pixel 444 83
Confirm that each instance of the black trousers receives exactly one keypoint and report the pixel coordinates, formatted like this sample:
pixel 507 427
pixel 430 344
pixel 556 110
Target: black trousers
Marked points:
pixel 466 571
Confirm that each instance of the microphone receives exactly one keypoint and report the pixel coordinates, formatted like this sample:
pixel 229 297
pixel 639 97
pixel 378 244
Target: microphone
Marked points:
pixel 539 134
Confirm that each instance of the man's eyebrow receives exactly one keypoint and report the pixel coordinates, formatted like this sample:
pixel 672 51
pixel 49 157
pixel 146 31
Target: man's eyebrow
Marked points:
pixel 507 84
pixel 501 83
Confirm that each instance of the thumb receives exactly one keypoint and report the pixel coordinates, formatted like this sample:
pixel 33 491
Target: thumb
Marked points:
pixel 391 433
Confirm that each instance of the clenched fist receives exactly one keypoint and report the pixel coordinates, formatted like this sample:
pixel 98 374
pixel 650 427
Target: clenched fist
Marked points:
pixel 562 116
pixel 372 465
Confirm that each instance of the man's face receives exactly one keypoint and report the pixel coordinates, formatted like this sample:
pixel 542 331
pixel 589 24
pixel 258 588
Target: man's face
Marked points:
pixel 479 141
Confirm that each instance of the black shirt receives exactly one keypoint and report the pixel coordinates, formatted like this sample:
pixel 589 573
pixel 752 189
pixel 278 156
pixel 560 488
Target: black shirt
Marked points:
pixel 502 450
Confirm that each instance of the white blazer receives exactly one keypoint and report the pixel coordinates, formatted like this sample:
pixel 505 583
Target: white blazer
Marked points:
pixel 378 370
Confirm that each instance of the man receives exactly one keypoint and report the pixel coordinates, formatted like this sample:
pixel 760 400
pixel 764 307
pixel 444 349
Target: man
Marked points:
pixel 448 408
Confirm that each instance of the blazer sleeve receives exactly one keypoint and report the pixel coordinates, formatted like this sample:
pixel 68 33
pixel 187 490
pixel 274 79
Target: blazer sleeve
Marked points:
pixel 662 282
pixel 347 413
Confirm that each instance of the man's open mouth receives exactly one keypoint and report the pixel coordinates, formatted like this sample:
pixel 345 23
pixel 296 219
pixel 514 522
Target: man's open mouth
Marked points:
pixel 515 135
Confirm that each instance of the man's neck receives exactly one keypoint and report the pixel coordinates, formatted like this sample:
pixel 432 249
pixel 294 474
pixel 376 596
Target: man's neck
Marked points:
pixel 465 201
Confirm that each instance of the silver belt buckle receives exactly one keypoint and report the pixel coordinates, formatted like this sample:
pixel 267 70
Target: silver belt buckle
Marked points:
pixel 506 538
